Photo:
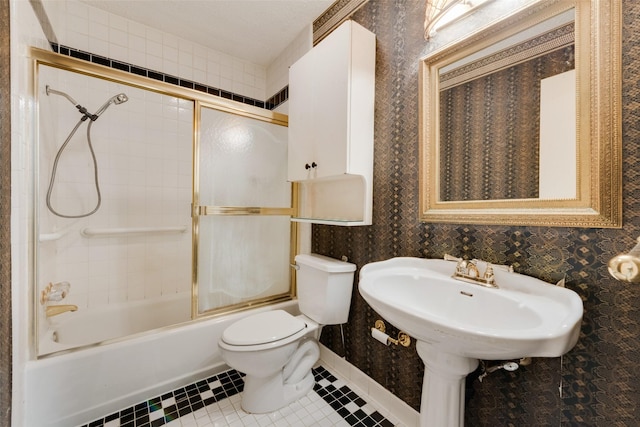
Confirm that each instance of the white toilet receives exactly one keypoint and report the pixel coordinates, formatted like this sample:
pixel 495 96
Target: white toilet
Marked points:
pixel 276 350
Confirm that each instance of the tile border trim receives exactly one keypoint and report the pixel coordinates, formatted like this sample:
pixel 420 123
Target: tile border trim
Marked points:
pixel 272 103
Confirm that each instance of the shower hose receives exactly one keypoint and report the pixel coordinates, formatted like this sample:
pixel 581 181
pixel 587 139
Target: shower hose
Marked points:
pixel 118 99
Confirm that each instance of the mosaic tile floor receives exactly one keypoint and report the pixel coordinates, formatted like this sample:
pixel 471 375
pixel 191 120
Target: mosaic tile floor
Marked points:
pixel 215 402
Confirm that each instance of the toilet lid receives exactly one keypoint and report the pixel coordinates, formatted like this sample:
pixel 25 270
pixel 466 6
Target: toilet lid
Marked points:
pixel 262 328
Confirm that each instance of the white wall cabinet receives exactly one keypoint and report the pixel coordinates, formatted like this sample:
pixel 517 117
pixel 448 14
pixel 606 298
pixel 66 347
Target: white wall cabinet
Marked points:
pixel 331 109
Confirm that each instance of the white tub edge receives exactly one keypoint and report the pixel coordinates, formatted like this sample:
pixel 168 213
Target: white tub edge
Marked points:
pixel 79 387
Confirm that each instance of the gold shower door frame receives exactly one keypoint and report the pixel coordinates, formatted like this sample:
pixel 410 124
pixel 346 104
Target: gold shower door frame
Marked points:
pixel 199 210
pixel 200 100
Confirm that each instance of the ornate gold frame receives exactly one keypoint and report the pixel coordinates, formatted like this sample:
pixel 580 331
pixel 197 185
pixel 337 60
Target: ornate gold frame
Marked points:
pixel 598 62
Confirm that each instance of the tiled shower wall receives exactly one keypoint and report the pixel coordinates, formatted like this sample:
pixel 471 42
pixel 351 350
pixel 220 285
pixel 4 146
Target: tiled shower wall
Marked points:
pixel 143 148
pixel 89 29
pixel 595 384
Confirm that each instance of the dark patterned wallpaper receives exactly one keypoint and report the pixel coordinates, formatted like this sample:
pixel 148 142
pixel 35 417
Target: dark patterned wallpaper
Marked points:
pixel 595 384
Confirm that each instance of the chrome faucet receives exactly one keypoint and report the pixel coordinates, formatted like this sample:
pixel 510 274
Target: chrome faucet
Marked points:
pixel 54 310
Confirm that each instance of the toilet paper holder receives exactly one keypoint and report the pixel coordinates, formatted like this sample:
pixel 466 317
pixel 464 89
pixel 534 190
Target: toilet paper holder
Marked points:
pixel 403 338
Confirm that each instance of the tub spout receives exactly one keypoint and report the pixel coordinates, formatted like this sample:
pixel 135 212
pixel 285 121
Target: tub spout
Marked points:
pixel 54 310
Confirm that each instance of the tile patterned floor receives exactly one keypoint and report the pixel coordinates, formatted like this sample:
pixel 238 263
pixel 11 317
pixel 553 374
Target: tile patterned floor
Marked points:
pixel 215 402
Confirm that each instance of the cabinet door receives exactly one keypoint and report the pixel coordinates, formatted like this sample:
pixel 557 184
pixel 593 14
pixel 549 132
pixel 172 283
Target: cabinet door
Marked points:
pixel 301 122
pixel 331 103
pixel 319 109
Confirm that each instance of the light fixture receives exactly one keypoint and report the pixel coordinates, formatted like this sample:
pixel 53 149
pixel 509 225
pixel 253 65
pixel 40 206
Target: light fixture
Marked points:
pixel 440 12
pixel 435 10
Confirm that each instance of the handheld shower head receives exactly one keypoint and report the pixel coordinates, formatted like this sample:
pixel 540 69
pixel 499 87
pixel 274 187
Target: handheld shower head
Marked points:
pixel 117 99
pixel 120 98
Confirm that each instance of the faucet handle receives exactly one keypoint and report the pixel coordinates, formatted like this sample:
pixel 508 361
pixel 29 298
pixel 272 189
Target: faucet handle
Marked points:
pixel 56 295
pixel 62 286
pixel 488 274
pixel 461 266
pixel 503 267
pixel 54 292
pixel 448 257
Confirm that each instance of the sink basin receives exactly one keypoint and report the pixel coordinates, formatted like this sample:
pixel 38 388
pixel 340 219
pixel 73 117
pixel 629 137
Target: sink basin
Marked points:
pixel 456 323
pixel 523 317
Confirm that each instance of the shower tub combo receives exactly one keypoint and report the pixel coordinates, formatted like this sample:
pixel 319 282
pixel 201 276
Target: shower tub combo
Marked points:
pixel 138 267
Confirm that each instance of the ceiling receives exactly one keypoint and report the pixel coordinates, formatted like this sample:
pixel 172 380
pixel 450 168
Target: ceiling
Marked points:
pixel 254 30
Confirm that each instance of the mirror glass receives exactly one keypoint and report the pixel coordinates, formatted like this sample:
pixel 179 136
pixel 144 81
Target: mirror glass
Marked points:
pixel 507 118
pixel 508 130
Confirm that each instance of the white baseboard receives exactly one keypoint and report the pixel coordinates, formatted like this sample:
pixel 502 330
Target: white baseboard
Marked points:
pixel 389 405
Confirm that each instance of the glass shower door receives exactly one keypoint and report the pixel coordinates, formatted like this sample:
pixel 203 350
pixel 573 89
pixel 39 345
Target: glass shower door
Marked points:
pixel 242 212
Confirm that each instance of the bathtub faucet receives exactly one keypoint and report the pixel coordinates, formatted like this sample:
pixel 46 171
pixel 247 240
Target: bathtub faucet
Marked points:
pixel 54 310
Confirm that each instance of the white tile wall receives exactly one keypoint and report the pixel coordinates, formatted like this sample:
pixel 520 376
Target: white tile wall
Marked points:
pixel 84 27
pixel 278 70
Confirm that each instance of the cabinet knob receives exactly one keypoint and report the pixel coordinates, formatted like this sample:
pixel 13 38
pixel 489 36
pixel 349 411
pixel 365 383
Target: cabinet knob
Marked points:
pixel 314 165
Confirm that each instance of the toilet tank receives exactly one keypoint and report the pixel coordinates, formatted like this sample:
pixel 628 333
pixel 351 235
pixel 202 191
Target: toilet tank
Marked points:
pixel 324 288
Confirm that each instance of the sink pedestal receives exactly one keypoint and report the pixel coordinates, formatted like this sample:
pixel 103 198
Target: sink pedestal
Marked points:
pixel 443 386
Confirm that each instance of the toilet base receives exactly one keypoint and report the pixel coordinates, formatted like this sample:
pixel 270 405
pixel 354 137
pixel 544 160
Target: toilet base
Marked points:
pixel 256 401
pixel 269 393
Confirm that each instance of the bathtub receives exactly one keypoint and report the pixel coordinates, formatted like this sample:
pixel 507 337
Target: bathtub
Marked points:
pixel 87 327
pixel 79 386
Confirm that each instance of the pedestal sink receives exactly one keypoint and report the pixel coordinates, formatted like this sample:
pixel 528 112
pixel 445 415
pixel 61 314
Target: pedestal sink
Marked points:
pixel 456 323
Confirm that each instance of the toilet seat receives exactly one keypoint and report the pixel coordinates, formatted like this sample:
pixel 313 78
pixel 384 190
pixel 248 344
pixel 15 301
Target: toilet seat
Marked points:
pixel 268 327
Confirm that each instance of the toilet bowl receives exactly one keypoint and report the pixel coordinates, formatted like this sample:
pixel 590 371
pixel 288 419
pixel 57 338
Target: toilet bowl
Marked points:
pixel 276 350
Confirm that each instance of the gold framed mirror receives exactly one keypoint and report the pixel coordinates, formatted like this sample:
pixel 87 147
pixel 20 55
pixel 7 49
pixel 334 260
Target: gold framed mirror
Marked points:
pixel 521 120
